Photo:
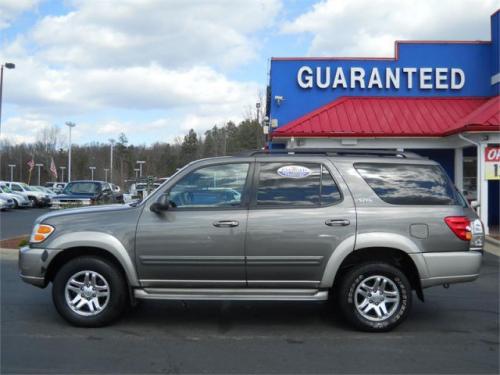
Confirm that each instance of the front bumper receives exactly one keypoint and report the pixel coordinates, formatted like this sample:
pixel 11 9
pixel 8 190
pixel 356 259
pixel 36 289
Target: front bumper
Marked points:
pixel 449 267
pixel 33 264
pixel 70 203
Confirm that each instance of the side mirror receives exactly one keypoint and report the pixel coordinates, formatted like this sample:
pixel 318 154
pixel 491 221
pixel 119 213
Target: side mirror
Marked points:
pixel 474 204
pixel 162 204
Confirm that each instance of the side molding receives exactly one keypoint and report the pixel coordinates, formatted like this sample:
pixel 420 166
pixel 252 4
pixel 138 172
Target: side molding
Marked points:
pixel 102 241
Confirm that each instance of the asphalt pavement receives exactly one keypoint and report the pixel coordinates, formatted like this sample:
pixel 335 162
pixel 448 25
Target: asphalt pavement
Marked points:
pixel 455 331
pixel 14 223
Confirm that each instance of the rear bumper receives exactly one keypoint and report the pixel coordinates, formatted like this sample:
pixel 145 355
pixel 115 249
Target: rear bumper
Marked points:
pixel 450 267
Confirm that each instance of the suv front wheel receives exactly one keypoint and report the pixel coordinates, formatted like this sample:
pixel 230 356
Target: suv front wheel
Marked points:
pixel 89 292
pixel 374 297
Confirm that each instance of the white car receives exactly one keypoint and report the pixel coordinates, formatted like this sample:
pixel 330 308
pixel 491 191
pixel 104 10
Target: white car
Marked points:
pixel 20 200
pixel 5 203
pixel 38 198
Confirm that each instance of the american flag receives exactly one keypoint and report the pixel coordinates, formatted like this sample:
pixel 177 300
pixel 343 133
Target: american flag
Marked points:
pixel 31 164
pixel 53 168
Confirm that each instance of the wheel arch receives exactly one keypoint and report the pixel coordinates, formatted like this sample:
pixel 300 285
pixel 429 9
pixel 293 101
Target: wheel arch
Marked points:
pixel 76 244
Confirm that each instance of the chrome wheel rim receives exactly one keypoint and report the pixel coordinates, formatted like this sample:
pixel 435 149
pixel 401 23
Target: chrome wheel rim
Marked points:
pixel 87 293
pixel 377 298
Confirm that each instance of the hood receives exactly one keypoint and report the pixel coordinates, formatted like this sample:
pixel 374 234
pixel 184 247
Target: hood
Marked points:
pixel 85 210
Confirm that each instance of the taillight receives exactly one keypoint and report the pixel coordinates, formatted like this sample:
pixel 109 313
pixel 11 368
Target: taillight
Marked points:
pixel 460 225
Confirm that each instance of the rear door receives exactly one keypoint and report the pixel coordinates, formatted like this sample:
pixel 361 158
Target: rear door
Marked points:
pixel 300 211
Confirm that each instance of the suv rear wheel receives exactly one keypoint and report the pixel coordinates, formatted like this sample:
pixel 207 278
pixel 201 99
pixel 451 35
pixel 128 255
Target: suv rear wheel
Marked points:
pixel 89 292
pixel 374 296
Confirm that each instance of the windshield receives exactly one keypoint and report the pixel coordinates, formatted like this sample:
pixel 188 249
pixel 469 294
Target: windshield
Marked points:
pixel 27 187
pixel 5 189
pixel 82 188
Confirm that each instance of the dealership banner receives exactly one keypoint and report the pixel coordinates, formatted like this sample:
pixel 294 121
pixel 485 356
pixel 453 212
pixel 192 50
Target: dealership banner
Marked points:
pixel 492 163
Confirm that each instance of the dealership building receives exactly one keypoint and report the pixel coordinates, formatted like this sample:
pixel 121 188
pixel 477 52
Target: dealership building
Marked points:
pixel 439 99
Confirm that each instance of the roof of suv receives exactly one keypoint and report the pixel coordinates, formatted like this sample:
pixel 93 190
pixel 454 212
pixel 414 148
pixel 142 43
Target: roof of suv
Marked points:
pixel 337 152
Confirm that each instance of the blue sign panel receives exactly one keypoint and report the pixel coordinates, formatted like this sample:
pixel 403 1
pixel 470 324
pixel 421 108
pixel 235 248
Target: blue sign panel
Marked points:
pixel 430 69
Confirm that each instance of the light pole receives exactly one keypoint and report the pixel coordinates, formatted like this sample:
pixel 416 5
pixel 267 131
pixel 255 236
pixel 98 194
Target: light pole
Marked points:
pixel 7 65
pixel 38 165
pixel 92 169
pixel 62 173
pixel 70 125
pixel 140 162
pixel 106 174
pixel 12 166
pixel 112 142
pixel 136 173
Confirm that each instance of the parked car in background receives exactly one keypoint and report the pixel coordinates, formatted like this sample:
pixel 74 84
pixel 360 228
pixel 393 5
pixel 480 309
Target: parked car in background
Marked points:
pixel 20 200
pixel 38 198
pixel 57 187
pixel 6 203
pixel 85 193
pixel 45 190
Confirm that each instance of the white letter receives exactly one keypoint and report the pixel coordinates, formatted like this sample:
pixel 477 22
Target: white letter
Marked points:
pixel 390 78
pixel 441 77
pixel 308 83
pixel 409 76
pixel 426 78
pixel 323 85
pixel 339 78
pixel 454 84
pixel 375 79
pixel 357 74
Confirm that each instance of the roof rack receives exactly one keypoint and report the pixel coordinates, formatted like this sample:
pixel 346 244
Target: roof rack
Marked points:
pixel 335 152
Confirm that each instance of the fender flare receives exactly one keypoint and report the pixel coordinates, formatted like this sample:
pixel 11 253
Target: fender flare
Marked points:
pixel 367 240
pixel 103 241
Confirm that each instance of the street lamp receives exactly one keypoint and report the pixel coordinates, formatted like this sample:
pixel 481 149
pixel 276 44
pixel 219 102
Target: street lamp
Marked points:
pixel 92 172
pixel 62 173
pixel 136 173
pixel 12 166
pixel 70 125
pixel 7 65
pixel 112 141
pixel 38 165
pixel 140 162
pixel 106 174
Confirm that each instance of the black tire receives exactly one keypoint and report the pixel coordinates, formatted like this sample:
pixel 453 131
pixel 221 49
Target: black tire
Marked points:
pixel 350 298
pixel 16 205
pixel 118 292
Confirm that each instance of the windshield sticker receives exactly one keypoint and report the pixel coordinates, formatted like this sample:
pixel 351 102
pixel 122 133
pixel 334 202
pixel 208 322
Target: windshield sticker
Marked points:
pixel 294 171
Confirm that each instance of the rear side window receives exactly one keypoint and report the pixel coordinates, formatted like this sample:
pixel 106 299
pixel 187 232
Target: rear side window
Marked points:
pixel 405 184
pixel 296 185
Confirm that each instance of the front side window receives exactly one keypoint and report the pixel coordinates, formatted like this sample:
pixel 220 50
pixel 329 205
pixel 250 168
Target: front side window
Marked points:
pixel 16 187
pixel 406 184
pixel 296 185
pixel 216 186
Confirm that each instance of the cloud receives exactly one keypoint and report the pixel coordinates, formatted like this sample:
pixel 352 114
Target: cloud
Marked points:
pixel 23 129
pixel 10 9
pixel 369 28
pixel 171 33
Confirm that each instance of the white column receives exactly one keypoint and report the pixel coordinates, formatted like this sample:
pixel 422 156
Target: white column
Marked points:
pixel 459 169
pixel 482 187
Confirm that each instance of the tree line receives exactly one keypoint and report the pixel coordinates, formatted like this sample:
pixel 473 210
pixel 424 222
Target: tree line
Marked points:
pixel 161 158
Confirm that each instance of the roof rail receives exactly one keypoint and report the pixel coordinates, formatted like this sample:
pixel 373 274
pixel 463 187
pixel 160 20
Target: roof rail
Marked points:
pixel 335 152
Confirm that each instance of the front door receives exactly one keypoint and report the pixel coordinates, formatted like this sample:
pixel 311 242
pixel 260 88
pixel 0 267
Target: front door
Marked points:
pixel 300 212
pixel 199 240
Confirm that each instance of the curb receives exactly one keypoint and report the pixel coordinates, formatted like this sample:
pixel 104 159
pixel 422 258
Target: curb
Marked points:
pixel 492 241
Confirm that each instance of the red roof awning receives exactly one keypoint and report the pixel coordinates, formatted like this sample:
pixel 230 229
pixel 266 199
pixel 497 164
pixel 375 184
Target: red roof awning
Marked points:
pixel 395 117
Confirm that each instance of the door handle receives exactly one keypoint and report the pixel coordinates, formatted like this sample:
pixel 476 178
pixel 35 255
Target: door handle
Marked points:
pixel 226 223
pixel 337 222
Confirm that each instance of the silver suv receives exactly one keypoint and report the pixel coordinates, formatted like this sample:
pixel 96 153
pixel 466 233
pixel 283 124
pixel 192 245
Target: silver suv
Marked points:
pixel 363 228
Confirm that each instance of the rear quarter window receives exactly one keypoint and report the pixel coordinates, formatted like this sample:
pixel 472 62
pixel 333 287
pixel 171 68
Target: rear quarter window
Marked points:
pixel 409 184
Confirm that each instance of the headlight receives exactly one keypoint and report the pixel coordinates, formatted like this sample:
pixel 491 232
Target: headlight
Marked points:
pixel 41 232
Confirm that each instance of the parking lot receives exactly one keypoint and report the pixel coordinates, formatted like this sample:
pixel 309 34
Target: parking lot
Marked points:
pixel 454 331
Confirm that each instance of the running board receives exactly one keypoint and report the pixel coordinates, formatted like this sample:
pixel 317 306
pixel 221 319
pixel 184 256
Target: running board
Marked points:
pixel 235 294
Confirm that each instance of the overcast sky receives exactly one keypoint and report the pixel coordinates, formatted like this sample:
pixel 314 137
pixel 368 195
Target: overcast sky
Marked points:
pixel 156 68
